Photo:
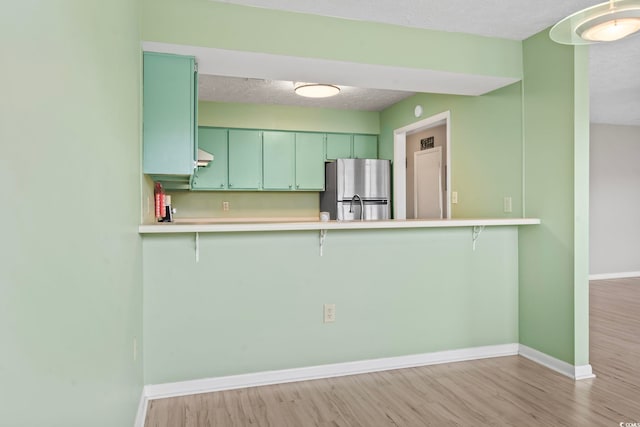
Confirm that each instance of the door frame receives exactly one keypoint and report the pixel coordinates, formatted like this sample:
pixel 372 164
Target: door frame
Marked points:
pixel 400 161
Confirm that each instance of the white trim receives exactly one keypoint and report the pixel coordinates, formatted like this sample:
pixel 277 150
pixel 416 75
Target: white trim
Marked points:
pixel 583 372
pixel 575 372
pixel 159 391
pixel 399 176
pixel 400 156
pixel 607 276
pixel 330 225
pixel 208 385
pixel 141 415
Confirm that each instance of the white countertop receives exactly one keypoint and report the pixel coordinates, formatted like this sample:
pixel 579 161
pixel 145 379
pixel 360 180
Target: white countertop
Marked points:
pixel 216 226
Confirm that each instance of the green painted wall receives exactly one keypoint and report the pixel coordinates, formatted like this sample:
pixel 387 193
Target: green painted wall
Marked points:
pixel 486 146
pixel 284 117
pixel 211 24
pixel 554 256
pixel 70 259
pixel 254 301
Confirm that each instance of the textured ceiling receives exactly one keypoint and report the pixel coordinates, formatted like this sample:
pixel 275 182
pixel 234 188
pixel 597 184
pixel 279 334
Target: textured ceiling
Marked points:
pixel 614 81
pixel 614 72
pixel 257 91
pixel 509 19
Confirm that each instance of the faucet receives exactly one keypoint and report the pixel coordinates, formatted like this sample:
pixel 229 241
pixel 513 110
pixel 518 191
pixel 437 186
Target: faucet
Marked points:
pixel 361 206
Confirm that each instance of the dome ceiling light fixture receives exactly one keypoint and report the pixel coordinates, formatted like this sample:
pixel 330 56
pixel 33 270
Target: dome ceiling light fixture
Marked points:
pixel 604 22
pixel 315 90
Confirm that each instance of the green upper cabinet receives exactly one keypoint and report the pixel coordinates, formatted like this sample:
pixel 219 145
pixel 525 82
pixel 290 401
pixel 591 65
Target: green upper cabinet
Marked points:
pixel 213 176
pixel 245 159
pixel 309 161
pixel 169 116
pixel 339 146
pixel 346 146
pixel 278 160
pixel 365 147
pixel 269 160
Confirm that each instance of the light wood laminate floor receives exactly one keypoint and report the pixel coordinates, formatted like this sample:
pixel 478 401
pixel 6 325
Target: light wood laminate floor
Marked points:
pixel 491 392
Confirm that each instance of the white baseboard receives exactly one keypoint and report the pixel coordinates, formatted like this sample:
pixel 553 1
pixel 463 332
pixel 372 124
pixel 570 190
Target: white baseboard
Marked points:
pixel 575 372
pixel 208 385
pixel 583 372
pixel 141 415
pixel 182 388
pixel 607 276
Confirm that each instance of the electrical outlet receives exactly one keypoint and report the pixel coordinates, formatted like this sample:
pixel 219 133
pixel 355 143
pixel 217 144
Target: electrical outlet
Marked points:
pixel 329 313
pixel 225 206
pixel 507 205
pixel 454 197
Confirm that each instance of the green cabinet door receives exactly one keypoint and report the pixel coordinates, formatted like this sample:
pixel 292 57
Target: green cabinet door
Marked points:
pixel 245 159
pixel 213 176
pixel 168 114
pixel 365 147
pixel 278 160
pixel 338 146
pixel 309 161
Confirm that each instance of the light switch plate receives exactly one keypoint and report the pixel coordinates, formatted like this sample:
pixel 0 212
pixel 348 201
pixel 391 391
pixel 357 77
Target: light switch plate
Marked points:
pixel 508 208
pixel 329 313
pixel 454 197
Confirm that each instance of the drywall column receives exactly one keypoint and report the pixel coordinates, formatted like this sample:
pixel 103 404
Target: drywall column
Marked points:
pixel 70 258
pixel 554 257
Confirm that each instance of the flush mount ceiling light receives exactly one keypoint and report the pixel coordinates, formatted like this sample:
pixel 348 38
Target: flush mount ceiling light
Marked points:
pixel 605 22
pixel 315 90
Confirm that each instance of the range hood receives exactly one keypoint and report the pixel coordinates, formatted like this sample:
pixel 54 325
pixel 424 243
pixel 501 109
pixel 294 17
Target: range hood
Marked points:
pixel 204 158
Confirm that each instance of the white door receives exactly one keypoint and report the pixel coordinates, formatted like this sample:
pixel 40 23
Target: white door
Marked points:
pixel 427 183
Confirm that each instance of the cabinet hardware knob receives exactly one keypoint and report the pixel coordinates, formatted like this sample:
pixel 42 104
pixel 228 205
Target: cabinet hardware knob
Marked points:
pixel 230 185
pixel 289 185
pixel 297 186
pixel 221 185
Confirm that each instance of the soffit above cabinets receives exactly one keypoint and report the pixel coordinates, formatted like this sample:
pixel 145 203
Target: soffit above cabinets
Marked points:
pixel 377 86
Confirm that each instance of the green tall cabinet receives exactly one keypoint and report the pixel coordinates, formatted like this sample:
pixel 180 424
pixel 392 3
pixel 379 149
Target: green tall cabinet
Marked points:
pixel 245 159
pixel 213 176
pixel 278 160
pixel 169 117
pixel 309 161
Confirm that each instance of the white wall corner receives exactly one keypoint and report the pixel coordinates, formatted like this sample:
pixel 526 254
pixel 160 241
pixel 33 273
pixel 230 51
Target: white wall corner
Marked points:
pixel 582 372
pixel 141 415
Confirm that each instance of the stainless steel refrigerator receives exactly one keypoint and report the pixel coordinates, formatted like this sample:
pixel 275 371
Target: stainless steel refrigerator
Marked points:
pixel 357 189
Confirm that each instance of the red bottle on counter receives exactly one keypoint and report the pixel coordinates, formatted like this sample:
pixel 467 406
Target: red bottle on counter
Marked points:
pixel 159 201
